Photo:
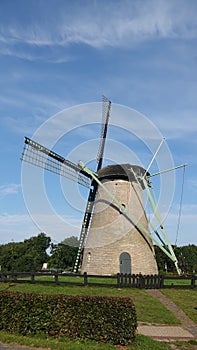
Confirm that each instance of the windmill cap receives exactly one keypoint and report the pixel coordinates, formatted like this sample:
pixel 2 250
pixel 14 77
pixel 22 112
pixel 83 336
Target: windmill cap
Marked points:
pixel 122 172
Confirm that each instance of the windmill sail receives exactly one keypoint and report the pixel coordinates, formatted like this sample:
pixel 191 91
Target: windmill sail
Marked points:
pixel 106 106
pixel 42 157
pixel 129 205
pixel 106 114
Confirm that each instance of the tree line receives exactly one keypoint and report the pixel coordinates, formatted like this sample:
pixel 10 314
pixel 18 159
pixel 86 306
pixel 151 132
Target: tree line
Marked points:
pixel 32 253
pixel 186 255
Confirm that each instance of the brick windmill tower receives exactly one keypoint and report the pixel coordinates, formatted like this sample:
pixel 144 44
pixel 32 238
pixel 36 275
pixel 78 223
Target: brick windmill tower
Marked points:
pixel 115 235
pixel 115 243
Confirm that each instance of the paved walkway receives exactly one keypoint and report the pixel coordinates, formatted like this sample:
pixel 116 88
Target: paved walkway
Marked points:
pixel 165 333
pixel 186 331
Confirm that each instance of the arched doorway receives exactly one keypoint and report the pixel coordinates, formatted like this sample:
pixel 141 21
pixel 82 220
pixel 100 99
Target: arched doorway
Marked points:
pixel 125 263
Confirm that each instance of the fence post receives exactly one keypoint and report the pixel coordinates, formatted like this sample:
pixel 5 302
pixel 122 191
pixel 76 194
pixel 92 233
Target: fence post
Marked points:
pixel 161 281
pixel 118 280
pixel 193 279
pixel 56 277
pixel 125 280
pixel 32 277
pixel 5 277
pixel 136 280
pixel 155 282
pixel 129 276
pixel 14 275
pixel 85 278
pixel 121 280
pixel 141 281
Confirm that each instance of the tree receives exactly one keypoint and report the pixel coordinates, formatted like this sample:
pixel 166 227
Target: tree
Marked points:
pixel 38 246
pixel 25 256
pixel 62 256
pixel 186 256
pixel 71 241
pixel 164 263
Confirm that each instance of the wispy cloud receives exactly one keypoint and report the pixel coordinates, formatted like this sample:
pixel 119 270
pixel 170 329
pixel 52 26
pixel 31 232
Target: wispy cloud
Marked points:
pixel 175 124
pixel 193 185
pixel 128 22
pixel 98 24
pixel 40 108
pixel 186 233
pixel 7 190
pixel 27 54
pixel 22 99
pixel 18 227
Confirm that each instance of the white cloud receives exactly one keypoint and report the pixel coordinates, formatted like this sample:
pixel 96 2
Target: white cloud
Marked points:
pixel 18 227
pixel 26 54
pixel 178 124
pixel 193 185
pixel 40 108
pixel 98 24
pixel 6 190
pixel 187 230
pixel 22 98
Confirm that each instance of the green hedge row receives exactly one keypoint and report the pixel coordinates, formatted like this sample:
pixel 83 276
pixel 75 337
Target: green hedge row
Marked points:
pixel 104 319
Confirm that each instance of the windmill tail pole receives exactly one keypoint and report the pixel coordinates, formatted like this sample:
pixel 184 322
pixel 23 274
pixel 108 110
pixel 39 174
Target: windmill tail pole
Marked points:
pixel 152 160
pixel 165 244
pixel 167 170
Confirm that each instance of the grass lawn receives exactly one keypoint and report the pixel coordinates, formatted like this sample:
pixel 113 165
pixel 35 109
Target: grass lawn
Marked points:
pixel 148 308
pixel 189 345
pixel 186 299
pixel 141 343
pixel 177 282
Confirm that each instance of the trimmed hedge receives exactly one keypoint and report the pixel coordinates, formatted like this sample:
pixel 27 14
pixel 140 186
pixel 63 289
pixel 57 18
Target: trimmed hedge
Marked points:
pixel 103 319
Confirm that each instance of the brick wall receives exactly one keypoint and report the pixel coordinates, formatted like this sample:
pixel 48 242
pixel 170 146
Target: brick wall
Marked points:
pixel 111 233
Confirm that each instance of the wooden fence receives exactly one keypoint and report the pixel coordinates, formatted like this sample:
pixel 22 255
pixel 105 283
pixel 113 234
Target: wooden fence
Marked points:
pixel 118 281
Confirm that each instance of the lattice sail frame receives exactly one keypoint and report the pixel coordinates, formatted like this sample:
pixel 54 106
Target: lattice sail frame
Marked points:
pixel 106 106
pixel 40 156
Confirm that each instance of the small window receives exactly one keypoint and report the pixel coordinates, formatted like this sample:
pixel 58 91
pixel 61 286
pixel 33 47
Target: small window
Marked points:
pixel 123 208
pixel 89 257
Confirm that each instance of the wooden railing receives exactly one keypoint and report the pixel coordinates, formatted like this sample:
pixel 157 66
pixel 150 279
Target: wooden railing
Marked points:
pixel 119 280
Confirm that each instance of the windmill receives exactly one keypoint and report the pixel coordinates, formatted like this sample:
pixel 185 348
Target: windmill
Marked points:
pixel 115 234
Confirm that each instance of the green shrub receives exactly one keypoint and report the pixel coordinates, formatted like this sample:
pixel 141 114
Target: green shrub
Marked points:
pixel 104 319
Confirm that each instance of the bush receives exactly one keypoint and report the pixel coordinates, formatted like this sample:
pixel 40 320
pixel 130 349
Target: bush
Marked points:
pixel 103 319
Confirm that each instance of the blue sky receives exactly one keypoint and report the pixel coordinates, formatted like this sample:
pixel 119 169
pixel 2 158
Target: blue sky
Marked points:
pixel 57 54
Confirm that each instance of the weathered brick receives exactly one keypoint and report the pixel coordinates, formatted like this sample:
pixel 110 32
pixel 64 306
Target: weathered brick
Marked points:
pixel 111 233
